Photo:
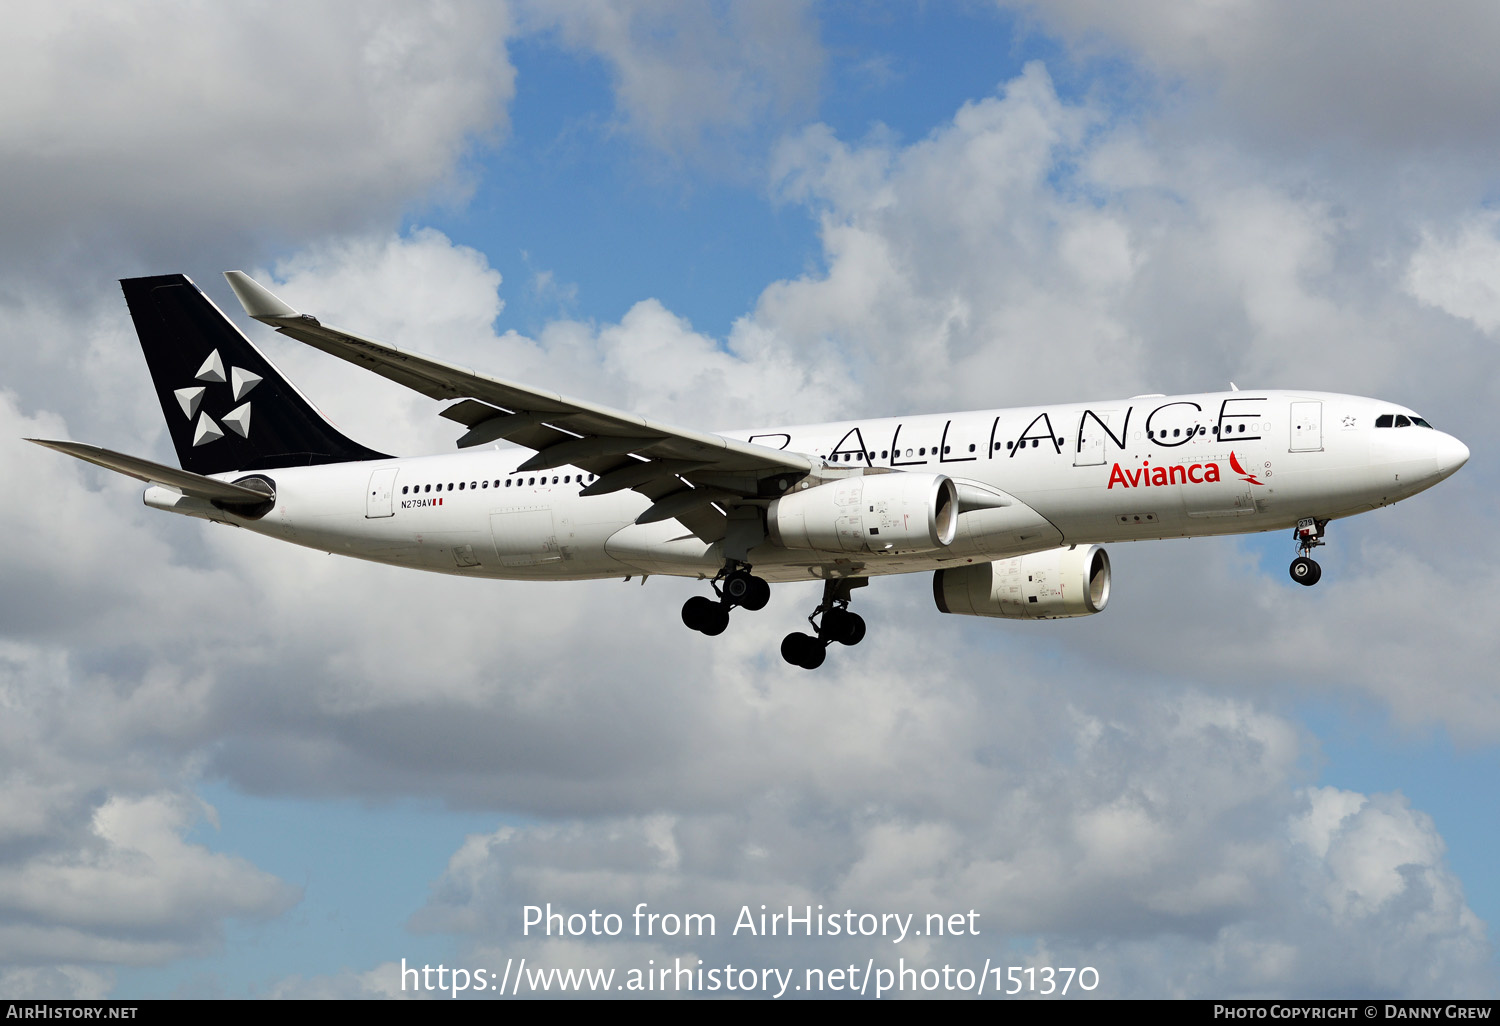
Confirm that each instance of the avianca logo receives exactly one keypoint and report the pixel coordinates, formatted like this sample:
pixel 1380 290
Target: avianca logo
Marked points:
pixel 1244 474
pixel 1148 476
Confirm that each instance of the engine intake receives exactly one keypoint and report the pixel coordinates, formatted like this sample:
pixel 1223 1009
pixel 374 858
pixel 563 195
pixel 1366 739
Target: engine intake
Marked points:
pixel 881 513
pixel 1049 585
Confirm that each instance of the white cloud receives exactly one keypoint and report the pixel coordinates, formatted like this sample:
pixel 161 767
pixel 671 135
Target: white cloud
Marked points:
pixel 130 891
pixel 1388 77
pixel 1458 273
pixel 688 76
pixel 1033 250
pixel 59 982
pixel 166 128
pixel 1203 854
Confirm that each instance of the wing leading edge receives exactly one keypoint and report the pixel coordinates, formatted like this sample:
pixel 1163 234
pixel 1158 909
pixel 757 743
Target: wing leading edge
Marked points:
pixel 684 472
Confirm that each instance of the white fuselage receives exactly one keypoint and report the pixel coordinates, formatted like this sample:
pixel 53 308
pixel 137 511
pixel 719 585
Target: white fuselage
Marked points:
pixel 1123 470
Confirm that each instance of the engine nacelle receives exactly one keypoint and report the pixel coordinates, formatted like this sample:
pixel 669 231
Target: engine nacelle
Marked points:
pixel 1049 585
pixel 883 513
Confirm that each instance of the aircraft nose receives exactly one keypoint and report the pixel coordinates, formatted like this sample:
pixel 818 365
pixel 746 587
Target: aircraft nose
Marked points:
pixel 1451 454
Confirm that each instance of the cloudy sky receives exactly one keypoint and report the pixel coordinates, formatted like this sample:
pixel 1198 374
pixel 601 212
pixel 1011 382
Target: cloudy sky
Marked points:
pixel 234 768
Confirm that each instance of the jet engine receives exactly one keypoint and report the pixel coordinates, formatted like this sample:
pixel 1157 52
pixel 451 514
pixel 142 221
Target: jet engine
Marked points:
pixel 1071 581
pixel 881 513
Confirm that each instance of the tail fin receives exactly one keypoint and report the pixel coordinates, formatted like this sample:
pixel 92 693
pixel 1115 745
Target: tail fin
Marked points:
pixel 226 406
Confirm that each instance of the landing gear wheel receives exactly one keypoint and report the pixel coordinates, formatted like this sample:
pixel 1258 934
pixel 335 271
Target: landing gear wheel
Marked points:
pixel 737 586
pixel 744 589
pixel 855 632
pixel 760 594
pixel 718 622
pixel 843 626
pixel 705 615
pixel 1306 571
pixel 1309 535
pixel 803 650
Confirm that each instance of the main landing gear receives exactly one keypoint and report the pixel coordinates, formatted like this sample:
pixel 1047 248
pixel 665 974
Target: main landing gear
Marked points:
pixel 837 624
pixel 1309 534
pixel 735 586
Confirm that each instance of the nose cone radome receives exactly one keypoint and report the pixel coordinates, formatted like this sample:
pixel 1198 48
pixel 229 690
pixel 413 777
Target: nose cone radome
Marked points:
pixel 1451 454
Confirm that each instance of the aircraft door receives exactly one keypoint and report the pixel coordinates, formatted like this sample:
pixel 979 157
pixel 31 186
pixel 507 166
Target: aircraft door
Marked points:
pixel 1307 427
pixel 1094 426
pixel 378 501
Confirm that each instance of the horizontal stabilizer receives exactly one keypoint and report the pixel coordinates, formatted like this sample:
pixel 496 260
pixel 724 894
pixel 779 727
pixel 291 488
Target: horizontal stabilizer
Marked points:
pixel 184 481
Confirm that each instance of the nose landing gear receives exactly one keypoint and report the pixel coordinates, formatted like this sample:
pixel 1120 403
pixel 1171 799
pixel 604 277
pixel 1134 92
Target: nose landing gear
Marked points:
pixel 1309 534
pixel 739 588
pixel 837 623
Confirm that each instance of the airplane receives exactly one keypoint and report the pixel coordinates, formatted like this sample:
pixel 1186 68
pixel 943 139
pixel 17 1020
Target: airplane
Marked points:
pixel 1008 509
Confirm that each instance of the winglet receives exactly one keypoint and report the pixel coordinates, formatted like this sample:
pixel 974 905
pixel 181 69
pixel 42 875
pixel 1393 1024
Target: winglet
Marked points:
pixel 258 301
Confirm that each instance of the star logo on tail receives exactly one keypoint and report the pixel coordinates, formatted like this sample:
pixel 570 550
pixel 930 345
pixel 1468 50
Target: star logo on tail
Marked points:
pixel 240 382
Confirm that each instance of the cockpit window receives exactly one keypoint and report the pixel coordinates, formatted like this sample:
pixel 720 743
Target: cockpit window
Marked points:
pixel 1401 420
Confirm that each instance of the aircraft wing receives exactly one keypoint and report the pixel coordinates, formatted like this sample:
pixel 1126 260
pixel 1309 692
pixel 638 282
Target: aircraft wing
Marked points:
pixel 683 472
pixel 184 481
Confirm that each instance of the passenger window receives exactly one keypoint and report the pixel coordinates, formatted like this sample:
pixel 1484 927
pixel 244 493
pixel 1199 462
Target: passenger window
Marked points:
pixel 531 480
pixel 429 488
pixel 403 489
pixel 460 486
